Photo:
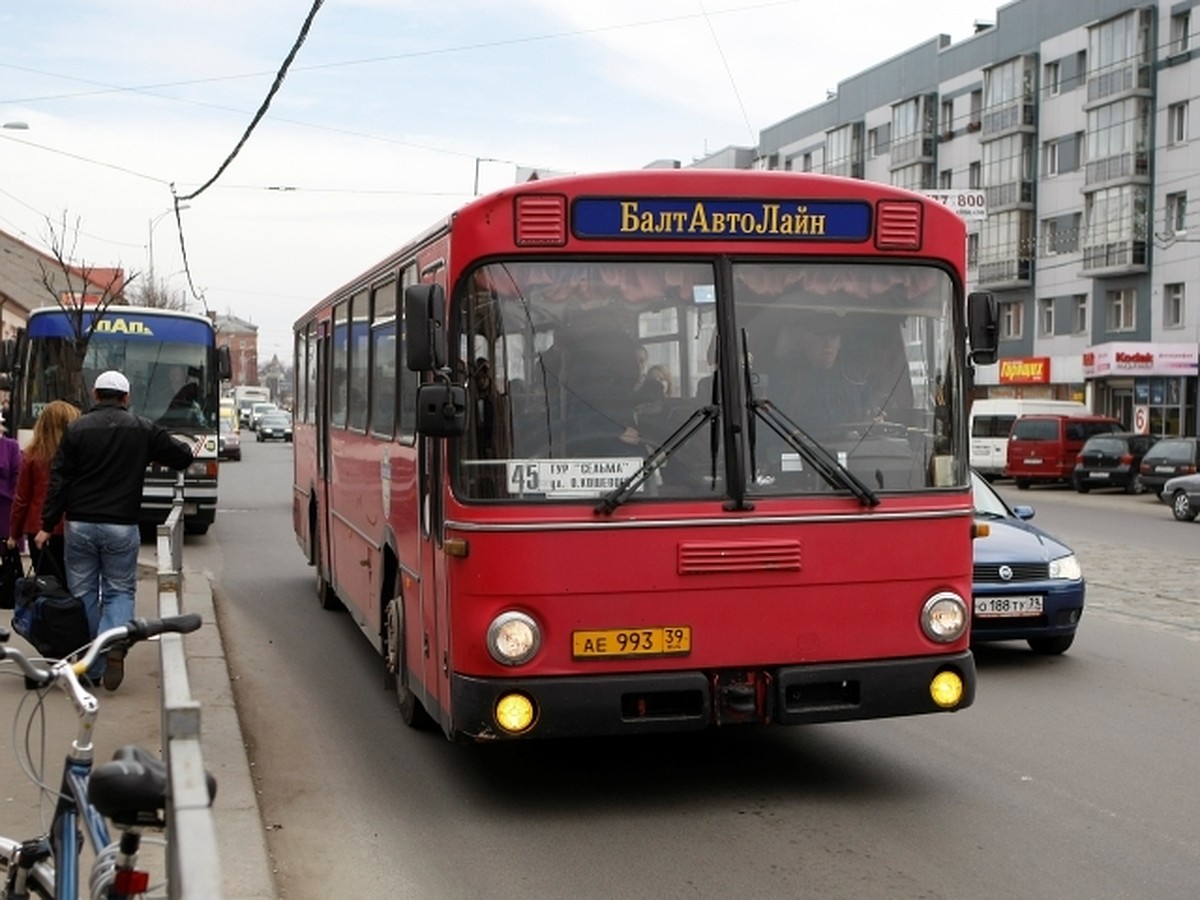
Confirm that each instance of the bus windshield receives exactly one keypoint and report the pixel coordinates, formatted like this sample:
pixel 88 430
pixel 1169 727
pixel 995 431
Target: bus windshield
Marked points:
pixel 584 376
pixel 169 381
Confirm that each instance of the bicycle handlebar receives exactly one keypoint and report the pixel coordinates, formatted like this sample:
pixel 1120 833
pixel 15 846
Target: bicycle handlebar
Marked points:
pixel 133 631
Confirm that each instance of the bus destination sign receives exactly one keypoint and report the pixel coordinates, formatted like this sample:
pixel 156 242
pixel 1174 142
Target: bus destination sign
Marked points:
pixel 706 219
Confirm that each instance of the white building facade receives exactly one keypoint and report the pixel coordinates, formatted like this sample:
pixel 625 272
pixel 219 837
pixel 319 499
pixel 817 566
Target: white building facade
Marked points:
pixel 1075 123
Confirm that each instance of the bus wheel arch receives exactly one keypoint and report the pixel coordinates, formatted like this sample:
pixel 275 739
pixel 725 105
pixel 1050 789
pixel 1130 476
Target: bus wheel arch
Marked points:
pixel 412 711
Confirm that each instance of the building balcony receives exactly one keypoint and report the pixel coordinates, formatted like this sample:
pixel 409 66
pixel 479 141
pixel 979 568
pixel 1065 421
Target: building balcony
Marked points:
pixel 907 150
pixel 1134 76
pixel 1009 117
pixel 1014 193
pixel 1006 273
pixel 1122 166
pixel 1114 258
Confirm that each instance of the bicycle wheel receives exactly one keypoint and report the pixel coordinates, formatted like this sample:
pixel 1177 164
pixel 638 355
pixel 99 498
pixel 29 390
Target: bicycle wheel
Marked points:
pixel 41 877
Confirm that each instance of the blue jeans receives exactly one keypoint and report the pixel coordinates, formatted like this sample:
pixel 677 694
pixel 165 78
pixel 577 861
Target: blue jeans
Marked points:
pixel 102 571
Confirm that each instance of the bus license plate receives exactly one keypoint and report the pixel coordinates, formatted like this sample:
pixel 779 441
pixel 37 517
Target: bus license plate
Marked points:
pixel 610 643
pixel 997 607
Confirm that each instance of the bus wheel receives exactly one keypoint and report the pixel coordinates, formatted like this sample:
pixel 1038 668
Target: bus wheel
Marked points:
pixel 411 710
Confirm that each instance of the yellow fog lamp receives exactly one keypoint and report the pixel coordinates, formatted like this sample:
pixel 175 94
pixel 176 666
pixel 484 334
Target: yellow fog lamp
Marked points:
pixel 946 689
pixel 515 713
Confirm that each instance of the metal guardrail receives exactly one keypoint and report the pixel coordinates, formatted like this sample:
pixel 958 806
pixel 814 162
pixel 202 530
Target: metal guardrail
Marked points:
pixel 193 863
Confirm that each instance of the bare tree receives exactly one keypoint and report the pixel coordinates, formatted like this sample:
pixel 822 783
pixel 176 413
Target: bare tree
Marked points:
pixel 157 295
pixel 84 295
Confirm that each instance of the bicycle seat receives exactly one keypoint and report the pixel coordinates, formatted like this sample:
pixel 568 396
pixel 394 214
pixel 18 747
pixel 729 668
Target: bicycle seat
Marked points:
pixel 131 790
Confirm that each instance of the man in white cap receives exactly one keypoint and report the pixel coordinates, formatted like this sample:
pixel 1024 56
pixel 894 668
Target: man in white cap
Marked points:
pixel 96 482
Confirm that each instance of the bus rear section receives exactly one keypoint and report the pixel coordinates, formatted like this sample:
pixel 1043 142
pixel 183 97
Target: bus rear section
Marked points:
pixel 657 451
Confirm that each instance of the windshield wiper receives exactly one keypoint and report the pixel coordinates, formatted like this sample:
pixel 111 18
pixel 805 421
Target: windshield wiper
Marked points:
pixel 657 458
pixel 811 450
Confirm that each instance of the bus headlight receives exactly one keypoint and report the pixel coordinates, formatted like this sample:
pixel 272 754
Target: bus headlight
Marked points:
pixel 513 638
pixel 944 617
pixel 1066 567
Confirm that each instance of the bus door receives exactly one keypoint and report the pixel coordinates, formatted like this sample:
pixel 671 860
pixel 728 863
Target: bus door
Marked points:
pixel 431 577
pixel 322 523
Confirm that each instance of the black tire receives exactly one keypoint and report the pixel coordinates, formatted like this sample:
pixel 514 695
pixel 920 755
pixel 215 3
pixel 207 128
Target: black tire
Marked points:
pixel 1022 483
pixel 38 885
pixel 1051 646
pixel 412 711
pixel 1082 487
pixel 1181 507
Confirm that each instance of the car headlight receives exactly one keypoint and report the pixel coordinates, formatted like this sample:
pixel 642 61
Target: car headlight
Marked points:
pixel 1066 568
pixel 944 617
pixel 513 638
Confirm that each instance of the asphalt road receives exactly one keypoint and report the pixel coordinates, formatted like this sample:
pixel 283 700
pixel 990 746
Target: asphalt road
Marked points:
pixel 1071 777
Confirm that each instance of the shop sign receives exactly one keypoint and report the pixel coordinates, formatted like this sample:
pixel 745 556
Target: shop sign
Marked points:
pixel 1106 360
pixel 1025 370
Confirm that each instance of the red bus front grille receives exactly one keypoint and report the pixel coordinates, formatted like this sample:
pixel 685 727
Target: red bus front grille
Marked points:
pixel 707 557
pixel 541 220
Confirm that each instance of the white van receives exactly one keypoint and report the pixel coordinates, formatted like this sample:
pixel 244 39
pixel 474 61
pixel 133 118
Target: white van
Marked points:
pixel 992 419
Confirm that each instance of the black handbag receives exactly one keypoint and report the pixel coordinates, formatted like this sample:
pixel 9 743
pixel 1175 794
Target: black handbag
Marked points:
pixel 11 569
pixel 48 616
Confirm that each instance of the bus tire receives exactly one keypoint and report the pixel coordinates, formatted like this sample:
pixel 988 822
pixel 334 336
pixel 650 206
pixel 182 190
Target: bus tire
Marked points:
pixel 412 712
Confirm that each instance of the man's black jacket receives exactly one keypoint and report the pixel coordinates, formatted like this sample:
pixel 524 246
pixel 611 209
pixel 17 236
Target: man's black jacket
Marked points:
pixel 98 472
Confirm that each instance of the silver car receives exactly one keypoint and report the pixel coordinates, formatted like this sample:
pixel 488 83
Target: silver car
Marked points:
pixel 1182 494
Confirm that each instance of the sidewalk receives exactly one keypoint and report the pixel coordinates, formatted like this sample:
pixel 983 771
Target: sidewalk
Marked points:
pixel 132 714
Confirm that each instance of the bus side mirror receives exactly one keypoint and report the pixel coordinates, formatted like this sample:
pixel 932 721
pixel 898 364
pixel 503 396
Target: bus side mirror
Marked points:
pixel 441 409
pixel 982 326
pixel 224 363
pixel 425 327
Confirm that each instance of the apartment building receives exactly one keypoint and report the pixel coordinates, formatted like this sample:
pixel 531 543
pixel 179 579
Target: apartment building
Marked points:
pixel 1073 121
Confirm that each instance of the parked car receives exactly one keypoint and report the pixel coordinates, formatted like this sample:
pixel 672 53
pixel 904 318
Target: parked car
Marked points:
pixel 229 441
pixel 1028 586
pixel 1044 447
pixel 991 419
pixel 1183 495
pixel 1169 458
pixel 1112 460
pixel 274 426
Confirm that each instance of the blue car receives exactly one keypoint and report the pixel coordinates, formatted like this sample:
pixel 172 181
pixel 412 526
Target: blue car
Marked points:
pixel 1027 586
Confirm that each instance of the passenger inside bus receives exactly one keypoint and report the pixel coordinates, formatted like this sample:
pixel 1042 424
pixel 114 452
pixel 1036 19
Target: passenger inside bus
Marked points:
pixel 599 375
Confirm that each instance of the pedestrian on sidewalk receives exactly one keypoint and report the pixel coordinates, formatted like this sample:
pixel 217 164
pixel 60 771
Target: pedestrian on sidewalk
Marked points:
pixel 96 482
pixel 10 466
pixel 32 483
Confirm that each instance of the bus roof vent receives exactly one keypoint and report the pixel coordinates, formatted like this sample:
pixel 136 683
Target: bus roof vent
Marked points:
pixel 898 225
pixel 541 220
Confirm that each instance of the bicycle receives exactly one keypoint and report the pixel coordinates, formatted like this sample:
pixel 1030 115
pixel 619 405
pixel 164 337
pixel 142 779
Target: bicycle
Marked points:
pixel 130 790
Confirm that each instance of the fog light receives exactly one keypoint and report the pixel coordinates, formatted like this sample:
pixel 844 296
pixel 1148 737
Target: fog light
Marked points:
pixel 514 713
pixel 946 689
pixel 513 638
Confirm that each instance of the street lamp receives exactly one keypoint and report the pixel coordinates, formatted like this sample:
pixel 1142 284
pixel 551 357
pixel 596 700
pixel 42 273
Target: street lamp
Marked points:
pixel 150 236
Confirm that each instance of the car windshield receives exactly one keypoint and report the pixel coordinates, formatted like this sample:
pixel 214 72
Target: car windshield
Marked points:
pixel 276 419
pixel 1105 445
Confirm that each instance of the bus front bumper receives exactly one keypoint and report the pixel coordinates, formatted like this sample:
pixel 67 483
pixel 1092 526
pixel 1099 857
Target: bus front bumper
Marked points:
pixel 654 702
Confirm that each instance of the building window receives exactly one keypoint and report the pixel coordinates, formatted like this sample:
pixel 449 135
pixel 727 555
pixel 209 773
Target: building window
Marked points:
pixel 975 176
pixel 1010 319
pixel 1173 306
pixel 1181 26
pixel 976 121
pixel 1177 212
pixel 1046 317
pixel 1052 79
pixel 946 179
pixel 1050 237
pixel 873 143
pixel 973 249
pixel 1177 123
pixel 1079 317
pixel 1120 310
pixel 948 118
pixel 1050 159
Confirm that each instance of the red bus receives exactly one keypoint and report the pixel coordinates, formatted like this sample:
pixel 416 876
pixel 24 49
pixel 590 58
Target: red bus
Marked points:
pixel 650 451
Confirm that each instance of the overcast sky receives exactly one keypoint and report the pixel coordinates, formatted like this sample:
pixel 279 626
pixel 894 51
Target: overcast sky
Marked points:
pixel 394 111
